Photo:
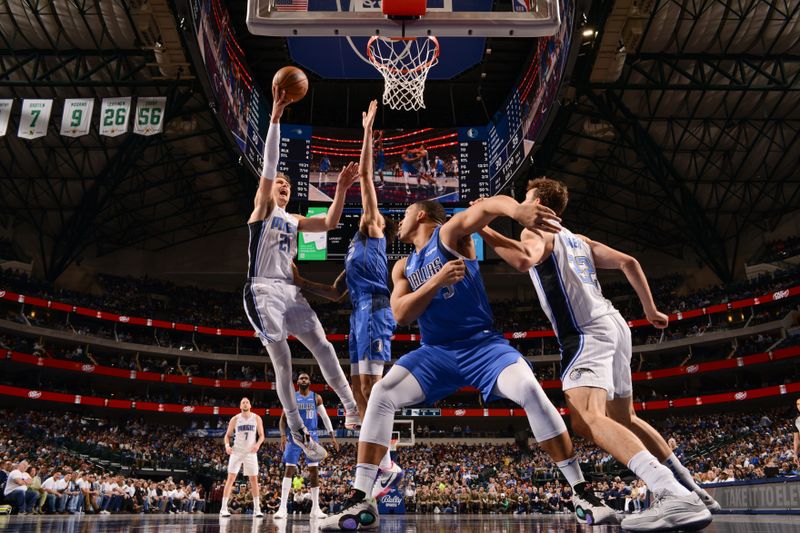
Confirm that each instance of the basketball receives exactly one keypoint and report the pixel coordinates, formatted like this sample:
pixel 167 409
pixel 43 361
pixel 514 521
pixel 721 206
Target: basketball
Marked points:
pixel 292 80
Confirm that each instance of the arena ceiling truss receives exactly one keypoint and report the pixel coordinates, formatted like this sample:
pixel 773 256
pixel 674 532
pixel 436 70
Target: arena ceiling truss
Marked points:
pixel 681 129
pixel 112 193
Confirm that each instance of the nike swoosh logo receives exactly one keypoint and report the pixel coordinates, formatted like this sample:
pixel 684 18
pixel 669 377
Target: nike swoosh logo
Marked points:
pixel 384 485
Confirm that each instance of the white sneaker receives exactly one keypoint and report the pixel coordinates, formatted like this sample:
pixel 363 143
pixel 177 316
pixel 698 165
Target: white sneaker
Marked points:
pixel 224 513
pixel 386 480
pixel 591 510
pixel 313 449
pixel 257 512
pixel 352 420
pixel 281 513
pixel 670 512
pixel 318 513
pixel 710 503
pixel 356 515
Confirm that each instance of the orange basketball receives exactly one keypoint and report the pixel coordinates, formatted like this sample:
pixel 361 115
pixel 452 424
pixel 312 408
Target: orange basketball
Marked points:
pixel 292 80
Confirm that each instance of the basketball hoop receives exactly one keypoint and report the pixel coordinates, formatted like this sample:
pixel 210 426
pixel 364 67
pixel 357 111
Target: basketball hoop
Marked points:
pixel 404 63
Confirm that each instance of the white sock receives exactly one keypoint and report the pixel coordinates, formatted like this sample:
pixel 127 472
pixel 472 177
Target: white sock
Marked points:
pixel 571 469
pixel 286 486
pixel 386 462
pixel 323 352
pixel 654 474
pixel 256 505
pixel 365 478
pixel 314 497
pixel 681 473
pixel 224 504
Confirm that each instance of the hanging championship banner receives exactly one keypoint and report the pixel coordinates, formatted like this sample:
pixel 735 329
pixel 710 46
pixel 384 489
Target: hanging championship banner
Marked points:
pixel 5 114
pixel 149 115
pixel 114 116
pixel 34 118
pixel 77 116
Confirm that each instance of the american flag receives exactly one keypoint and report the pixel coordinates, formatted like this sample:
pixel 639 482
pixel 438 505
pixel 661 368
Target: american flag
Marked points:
pixel 291 5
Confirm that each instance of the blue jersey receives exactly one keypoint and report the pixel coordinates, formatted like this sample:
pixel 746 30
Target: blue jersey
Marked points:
pixel 410 166
pixel 366 267
pixel 457 312
pixel 325 164
pixel 307 405
pixel 439 166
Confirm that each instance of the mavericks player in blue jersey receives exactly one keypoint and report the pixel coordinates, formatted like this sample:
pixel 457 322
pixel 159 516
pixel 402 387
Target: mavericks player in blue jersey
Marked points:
pixel 596 358
pixel 311 410
pixel 440 286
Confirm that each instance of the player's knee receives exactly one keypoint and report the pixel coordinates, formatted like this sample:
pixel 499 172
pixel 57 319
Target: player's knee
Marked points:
pixel 382 397
pixel 366 388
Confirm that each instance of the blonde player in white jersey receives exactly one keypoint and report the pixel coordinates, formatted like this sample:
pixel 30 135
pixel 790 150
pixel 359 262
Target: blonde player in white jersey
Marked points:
pixel 595 358
pixel 274 305
pixel 249 436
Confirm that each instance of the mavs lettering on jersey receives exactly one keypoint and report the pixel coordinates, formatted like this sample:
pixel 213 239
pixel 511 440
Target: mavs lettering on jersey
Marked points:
pixel 307 405
pixel 456 313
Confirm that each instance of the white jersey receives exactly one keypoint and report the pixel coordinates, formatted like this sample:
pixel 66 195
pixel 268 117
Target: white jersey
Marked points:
pixel 273 245
pixel 245 432
pixel 567 286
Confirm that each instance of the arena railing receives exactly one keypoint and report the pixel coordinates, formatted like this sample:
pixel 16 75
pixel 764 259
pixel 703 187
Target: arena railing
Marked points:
pixel 227 332
pixel 111 403
pixel 781 354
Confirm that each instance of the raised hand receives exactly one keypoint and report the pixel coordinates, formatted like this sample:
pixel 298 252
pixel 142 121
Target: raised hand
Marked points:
pixel 368 116
pixel 451 273
pixel 658 319
pixel 279 102
pixel 348 175
pixel 536 217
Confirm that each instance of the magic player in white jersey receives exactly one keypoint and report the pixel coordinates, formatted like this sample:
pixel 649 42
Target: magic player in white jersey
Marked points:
pixel 274 305
pixel 249 435
pixel 595 358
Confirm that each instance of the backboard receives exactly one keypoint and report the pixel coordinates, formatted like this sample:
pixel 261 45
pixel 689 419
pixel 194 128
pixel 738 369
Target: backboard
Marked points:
pixel 365 18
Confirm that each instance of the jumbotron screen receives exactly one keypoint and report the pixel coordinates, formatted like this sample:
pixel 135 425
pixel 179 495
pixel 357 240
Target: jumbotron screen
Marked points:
pixel 447 165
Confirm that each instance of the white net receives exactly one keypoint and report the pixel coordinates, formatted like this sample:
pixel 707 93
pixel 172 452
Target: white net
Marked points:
pixel 404 64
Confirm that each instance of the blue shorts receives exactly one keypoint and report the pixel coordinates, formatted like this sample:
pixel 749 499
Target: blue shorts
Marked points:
pixel 371 327
pixel 291 455
pixel 442 369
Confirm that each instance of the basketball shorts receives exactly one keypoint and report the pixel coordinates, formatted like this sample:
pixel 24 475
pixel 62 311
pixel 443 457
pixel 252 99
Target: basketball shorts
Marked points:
pixel 475 362
pixel 371 327
pixel 291 455
pixel 599 357
pixel 239 459
pixel 277 309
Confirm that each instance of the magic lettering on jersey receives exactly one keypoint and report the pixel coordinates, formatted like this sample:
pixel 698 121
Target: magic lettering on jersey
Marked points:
pixel 423 274
pixel 246 427
pixel 282 225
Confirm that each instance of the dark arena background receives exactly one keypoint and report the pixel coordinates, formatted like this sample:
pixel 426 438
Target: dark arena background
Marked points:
pixel 132 138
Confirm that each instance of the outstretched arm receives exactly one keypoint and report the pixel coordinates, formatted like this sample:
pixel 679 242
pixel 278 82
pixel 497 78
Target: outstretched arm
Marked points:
pixel 522 254
pixel 531 215
pixel 329 222
pixel 609 258
pixel 329 292
pixel 263 202
pixel 371 218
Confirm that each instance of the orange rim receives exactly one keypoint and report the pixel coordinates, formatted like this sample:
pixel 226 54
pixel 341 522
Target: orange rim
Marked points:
pixel 422 66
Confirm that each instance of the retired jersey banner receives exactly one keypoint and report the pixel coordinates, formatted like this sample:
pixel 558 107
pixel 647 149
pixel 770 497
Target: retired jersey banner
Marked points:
pixel 114 114
pixel 77 116
pixel 34 118
pixel 5 114
pixel 149 115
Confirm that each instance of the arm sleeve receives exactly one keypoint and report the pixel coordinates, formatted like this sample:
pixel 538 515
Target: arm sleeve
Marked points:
pixel 326 421
pixel 272 149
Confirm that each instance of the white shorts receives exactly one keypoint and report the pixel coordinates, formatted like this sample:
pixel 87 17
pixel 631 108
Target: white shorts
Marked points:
pixel 365 366
pixel 277 309
pixel 602 359
pixel 239 459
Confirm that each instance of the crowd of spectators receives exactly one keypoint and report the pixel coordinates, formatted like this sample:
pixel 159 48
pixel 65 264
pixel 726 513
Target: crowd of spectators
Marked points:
pixel 147 297
pixel 65 451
